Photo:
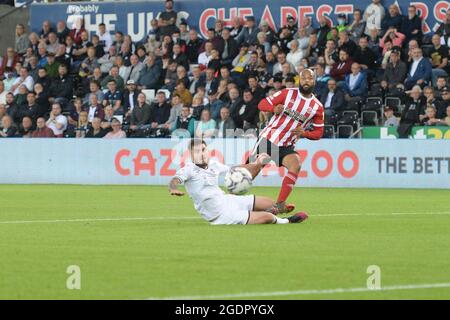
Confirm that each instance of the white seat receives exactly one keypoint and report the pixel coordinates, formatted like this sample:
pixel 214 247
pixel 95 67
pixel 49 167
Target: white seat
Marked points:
pixel 149 95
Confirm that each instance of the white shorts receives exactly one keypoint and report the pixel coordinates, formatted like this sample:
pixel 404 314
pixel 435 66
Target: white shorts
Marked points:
pixel 235 210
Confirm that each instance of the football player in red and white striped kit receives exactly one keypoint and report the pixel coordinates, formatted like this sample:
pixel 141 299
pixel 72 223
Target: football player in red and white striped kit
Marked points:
pixel 297 114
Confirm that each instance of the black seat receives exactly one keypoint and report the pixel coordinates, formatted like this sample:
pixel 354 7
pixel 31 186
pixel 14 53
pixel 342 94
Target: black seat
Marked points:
pixel 344 131
pixel 328 132
pixel 369 118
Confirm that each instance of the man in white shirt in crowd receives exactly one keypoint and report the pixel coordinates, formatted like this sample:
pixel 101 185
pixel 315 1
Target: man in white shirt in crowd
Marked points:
pixel 373 16
pixel 56 121
pixel 204 57
pixel 104 36
pixel 3 93
pixel 23 79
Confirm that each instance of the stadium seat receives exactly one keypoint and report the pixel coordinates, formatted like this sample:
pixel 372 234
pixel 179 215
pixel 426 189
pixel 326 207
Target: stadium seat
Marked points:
pixel 393 102
pixel 149 95
pixel 373 104
pixel 331 119
pixel 349 118
pixel 344 131
pixel 369 118
pixel 328 132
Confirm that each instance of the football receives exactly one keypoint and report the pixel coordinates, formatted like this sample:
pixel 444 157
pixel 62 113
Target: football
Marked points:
pixel 238 180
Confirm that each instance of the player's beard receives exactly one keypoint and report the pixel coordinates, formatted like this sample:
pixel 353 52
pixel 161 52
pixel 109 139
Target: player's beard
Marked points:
pixel 306 90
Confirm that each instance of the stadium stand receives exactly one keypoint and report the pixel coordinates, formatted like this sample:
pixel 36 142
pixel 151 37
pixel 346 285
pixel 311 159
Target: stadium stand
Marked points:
pixel 364 71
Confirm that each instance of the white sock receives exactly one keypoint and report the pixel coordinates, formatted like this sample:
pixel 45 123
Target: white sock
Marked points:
pixel 281 220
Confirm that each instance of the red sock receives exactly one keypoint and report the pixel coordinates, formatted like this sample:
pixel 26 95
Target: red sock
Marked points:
pixel 286 187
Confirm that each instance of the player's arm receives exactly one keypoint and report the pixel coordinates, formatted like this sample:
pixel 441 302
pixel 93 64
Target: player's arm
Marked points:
pixel 173 187
pixel 273 103
pixel 317 128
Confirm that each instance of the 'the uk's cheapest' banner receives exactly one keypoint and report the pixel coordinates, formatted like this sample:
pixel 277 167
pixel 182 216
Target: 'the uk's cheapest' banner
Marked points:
pixel 134 17
pixel 326 163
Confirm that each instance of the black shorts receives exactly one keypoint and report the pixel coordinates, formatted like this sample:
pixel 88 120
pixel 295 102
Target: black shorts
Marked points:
pixel 275 152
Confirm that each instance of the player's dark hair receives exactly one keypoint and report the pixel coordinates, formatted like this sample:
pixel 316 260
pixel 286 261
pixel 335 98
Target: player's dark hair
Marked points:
pixel 195 142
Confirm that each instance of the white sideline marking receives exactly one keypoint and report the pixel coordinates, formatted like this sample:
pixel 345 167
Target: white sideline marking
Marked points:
pixel 96 220
pixel 199 218
pixel 306 292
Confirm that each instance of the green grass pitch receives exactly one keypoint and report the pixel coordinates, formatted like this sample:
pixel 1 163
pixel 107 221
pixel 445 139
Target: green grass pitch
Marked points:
pixel 169 251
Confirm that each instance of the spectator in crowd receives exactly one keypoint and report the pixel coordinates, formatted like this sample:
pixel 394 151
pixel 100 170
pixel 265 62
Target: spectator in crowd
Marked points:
pixel 169 15
pixel 140 116
pixel 445 94
pixel 205 128
pixel 3 93
pixel 248 33
pixel 225 126
pixel 345 43
pixel 410 115
pixel 193 46
pixel 95 130
pixel 42 131
pixel 95 109
pixel 130 98
pixel 357 27
pixel 395 72
pixel 396 38
pixel 2 113
pixel 133 71
pixel 52 43
pixel 444 27
pixel 215 104
pixel 149 75
pixel 46 29
pixel 393 20
pixel 61 88
pixel 82 125
pixel 391 119
pixel 113 97
pixel 12 109
pixel 30 108
pixel 333 99
pixel 113 75
pixel 439 58
pixel 412 25
pixel 117 132
pixel 441 83
pixel 107 119
pixel 160 112
pixel 8 130
pixel 420 70
pixel 184 122
pixel 62 31
pixel 56 121
pixel 23 79
pixel 342 67
pixel 246 117
pixel 435 102
pixel 52 66
pixel 447 117
pixel 22 41
pixel 26 128
pixel 355 86
pixel 365 56
pixel 430 118
pixel 104 36
pixel 373 15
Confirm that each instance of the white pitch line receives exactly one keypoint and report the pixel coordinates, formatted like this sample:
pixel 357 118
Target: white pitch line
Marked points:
pixel 306 292
pixel 199 218
pixel 96 220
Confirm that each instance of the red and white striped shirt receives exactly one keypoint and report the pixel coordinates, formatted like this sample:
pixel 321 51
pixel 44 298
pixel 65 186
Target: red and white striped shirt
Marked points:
pixel 298 112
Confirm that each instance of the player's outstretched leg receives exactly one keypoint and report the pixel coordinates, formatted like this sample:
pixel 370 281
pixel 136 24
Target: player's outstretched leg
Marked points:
pixel 292 163
pixel 263 217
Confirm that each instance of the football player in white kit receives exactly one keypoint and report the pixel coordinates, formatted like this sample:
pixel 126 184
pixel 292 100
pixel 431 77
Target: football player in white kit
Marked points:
pixel 201 179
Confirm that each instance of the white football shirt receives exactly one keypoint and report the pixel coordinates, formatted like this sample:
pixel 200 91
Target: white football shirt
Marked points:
pixel 202 186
